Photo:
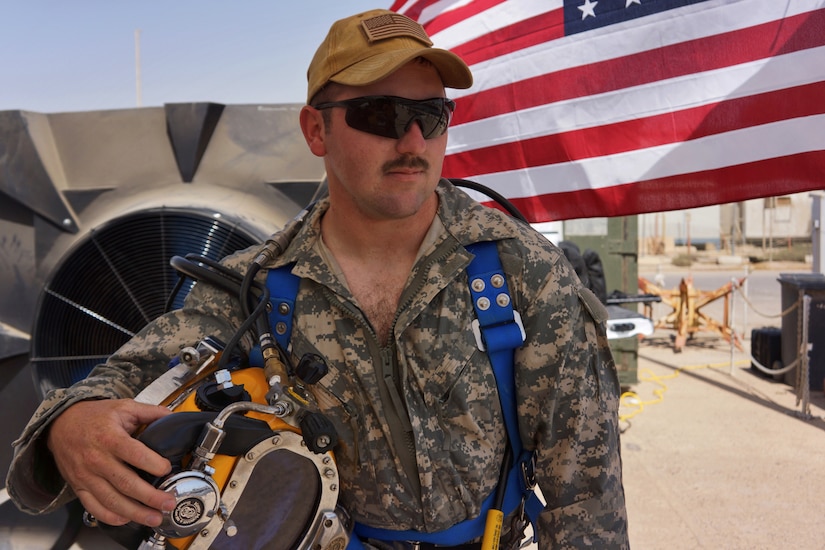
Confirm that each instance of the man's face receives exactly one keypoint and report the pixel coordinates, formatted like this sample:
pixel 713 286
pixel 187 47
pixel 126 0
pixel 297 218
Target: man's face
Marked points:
pixel 380 177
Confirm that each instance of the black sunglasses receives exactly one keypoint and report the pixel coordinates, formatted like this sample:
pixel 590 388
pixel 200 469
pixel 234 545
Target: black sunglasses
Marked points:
pixel 391 116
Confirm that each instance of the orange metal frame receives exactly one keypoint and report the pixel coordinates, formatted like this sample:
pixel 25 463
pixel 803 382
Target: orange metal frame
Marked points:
pixel 687 317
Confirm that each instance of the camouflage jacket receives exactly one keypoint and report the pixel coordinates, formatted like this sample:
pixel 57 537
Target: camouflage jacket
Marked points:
pixel 426 403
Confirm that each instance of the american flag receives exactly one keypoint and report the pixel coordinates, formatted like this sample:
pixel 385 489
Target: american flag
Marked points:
pixel 584 108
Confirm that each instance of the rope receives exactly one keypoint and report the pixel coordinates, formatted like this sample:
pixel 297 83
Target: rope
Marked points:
pixel 759 366
pixel 802 374
pixel 788 311
pixel 754 362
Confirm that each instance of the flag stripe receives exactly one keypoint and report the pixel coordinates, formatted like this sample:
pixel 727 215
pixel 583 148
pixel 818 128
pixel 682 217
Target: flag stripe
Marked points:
pixel 765 178
pixel 765 40
pixel 450 18
pixel 642 101
pixel 652 32
pixel 716 151
pixel 496 18
pixel 524 34
pixel 641 132
pixel 413 10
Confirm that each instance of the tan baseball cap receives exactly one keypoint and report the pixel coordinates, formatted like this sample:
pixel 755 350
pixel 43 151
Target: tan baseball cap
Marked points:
pixel 367 47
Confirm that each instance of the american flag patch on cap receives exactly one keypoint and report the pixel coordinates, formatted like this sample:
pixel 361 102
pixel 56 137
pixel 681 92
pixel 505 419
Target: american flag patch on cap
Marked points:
pixel 393 26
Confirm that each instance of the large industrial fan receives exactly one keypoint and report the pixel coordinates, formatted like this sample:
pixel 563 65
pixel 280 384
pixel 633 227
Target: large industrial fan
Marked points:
pixel 93 205
pixel 114 282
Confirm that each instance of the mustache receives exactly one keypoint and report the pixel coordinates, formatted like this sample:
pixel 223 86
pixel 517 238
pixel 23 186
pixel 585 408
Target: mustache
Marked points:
pixel 406 162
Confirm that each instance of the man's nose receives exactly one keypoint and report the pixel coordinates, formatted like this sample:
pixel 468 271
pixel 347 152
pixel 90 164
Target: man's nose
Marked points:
pixel 413 138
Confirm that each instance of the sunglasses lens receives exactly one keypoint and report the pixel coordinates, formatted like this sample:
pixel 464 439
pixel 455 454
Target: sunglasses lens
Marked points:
pixel 391 117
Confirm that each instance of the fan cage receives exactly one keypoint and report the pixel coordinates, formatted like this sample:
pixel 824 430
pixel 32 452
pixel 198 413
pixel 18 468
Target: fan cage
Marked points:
pixel 114 282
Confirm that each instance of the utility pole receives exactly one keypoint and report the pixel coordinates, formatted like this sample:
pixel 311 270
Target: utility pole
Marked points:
pixel 817 238
pixel 137 68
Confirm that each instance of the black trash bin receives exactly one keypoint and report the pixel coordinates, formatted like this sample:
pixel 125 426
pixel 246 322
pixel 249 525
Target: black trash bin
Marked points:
pixel 794 287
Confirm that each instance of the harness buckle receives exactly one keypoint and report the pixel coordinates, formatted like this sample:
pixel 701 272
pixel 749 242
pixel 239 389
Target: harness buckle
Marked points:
pixel 518 525
pixel 528 473
pixel 476 325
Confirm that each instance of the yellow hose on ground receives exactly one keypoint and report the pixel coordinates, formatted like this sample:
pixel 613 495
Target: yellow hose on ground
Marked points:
pixel 630 399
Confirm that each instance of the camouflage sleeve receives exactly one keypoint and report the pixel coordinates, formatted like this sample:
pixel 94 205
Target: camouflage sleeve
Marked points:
pixel 33 481
pixel 569 411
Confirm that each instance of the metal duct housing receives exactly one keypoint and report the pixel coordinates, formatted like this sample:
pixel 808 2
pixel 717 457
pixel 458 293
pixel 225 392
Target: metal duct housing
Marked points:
pixel 93 205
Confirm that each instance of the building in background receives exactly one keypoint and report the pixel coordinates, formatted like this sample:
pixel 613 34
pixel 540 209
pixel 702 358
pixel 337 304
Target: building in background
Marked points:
pixel 762 224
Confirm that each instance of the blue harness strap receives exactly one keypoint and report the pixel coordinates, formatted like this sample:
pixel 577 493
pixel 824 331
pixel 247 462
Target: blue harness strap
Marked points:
pixel 498 328
pixel 499 331
pixel 283 289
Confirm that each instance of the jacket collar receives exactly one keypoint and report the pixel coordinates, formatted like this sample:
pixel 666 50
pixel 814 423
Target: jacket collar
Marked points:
pixel 465 220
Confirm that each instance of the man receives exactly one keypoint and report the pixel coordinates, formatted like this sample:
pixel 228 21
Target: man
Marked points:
pixel 384 299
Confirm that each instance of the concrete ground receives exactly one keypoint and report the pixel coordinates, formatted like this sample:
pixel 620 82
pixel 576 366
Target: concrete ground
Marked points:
pixel 719 456
pixel 715 454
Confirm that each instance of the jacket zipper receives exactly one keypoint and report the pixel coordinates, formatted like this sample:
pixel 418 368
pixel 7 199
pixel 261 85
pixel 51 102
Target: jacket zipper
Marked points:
pixel 388 364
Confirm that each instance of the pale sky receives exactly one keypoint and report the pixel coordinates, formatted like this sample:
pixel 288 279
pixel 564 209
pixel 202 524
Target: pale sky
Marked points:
pixel 79 55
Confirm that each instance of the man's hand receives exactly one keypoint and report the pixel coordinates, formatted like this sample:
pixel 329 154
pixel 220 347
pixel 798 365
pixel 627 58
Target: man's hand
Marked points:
pixel 93 447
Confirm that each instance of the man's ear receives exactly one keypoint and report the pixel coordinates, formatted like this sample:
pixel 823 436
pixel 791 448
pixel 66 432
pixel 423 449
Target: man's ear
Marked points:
pixel 312 125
